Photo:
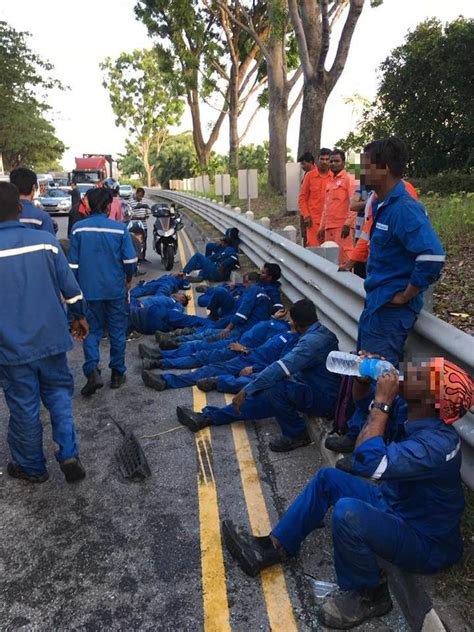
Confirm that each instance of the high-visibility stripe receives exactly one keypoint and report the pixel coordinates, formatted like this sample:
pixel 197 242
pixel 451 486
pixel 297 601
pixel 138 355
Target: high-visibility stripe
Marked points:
pixel 263 294
pixel 74 266
pixel 30 220
pixel 94 229
pixel 364 236
pixel 241 315
pixel 431 258
pixel 283 366
pixel 74 299
pixel 24 250
pixel 382 466
pixel 283 338
pixel 131 260
pixel 452 454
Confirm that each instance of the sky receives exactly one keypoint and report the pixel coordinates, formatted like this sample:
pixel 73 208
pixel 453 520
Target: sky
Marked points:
pixel 76 37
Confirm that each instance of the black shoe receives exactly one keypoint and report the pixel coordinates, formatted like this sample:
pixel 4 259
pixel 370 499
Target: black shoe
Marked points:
pixel 133 335
pixel 149 365
pixel 193 279
pixel 145 351
pixel 145 260
pixel 72 469
pixel 253 554
pixel 201 289
pixel 190 419
pixel 184 331
pixel 340 443
pixel 346 609
pixel 117 379
pixel 153 381
pixel 345 464
pixel 207 384
pixel 168 343
pixel 286 444
pixel 16 471
pixel 94 382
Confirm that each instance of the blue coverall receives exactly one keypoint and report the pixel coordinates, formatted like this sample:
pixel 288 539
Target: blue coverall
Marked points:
pixel 221 300
pixel 404 249
pixel 258 359
pixel 213 247
pixel 161 313
pixel 164 286
pixel 34 217
pixel 217 267
pixel 412 519
pixel 102 255
pixel 313 388
pixel 34 339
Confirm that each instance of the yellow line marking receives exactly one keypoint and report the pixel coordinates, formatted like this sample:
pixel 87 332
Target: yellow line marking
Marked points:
pixel 279 608
pixel 214 589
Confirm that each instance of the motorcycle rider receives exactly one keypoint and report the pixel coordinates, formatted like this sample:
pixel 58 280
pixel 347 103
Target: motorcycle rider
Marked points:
pixel 116 208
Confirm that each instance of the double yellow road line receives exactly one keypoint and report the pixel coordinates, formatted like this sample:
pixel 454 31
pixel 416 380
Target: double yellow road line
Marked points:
pixel 215 601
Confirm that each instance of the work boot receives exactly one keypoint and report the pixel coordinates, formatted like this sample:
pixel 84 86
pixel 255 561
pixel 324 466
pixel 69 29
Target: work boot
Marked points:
pixel 145 351
pixel 168 343
pixel 151 364
pixel 72 469
pixel 184 331
pixel 193 279
pixel 117 379
pixel 286 444
pixel 153 381
pixel 194 421
pixel 133 335
pixel 345 464
pixel 348 608
pixel 340 443
pixel 201 289
pixel 94 382
pixel 207 384
pixel 252 553
pixel 16 471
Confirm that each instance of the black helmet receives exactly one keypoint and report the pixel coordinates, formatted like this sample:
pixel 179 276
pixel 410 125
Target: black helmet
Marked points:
pixel 111 184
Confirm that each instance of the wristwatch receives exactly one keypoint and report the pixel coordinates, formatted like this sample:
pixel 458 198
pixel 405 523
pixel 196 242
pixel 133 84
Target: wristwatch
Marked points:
pixel 385 408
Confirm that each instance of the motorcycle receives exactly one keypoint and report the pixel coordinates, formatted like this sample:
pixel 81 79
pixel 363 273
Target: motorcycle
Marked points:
pixel 165 233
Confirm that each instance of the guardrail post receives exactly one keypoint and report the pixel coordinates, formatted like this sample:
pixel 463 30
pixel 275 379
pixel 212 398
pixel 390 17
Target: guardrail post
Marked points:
pixel 265 221
pixel 237 209
pixel 249 215
pixel 329 250
pixel 289 232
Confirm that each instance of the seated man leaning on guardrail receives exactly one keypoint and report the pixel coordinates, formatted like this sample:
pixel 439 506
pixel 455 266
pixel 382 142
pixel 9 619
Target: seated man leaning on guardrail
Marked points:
pixel 412 519
pixel 313 388
pixel 216 267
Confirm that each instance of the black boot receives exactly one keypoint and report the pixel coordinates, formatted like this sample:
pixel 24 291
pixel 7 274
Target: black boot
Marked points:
pixel 145 351
pixel 346 609
pixel 201 289
pixel 338 443
pixel 16 471
pixel 193 279
pixel 72 469
pixel 253 554
pixel 286 444
pixel 183 331
pixel 167 342
pixel 153 380
pixel 151 364
pixel 345 464
pixel 207 384
pixel 194 421
pixel 117 379
pixel 94 382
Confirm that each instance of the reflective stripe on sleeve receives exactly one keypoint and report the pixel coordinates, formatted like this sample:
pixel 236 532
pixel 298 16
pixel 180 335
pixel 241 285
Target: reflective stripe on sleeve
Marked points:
pixel 283 366
pixel 74 266
pixel 241 316
pixel 431 258
pixel 382 466
pixel 283 338
pixel 452 454
pixel 134 260
pixel 93 229
pixel 13 252
pixel 30 220
pixel 74 299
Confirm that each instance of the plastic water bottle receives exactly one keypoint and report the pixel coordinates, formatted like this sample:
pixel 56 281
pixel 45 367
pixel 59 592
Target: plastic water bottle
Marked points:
pixel 350 364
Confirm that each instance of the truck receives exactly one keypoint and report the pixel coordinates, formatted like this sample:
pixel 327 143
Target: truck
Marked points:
pixel 93 168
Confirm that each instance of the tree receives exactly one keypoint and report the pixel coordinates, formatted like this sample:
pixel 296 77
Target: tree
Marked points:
pixel 144 99
pixel 26 136
pixel 425 98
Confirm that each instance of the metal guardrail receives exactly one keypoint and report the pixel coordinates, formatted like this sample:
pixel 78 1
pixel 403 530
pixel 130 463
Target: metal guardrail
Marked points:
pixel 339 297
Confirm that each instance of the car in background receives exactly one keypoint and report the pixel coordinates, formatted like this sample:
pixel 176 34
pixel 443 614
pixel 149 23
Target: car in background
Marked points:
pixel 125 191
pixel 55 201
pixel 62 184
pixel 83 187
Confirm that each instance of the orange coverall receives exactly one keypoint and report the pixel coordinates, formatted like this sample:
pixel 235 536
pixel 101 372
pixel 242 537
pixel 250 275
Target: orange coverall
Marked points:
pixel 337 212
pixel 311 202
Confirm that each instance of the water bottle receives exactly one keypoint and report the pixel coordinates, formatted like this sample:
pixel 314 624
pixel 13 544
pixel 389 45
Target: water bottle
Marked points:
pixel 350 364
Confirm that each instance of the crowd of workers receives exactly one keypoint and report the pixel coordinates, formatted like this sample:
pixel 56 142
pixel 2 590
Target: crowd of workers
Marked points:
pixel 273 361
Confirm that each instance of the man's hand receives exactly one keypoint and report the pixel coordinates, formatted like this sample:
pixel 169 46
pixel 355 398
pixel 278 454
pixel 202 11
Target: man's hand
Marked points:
pixel 248 370
pixel 321 234
pixel 281 313
pixel 308 222
pixel 347 267
pixel 128 284
pixel 387 388
pixel 345 232
pixel 399 299
pixel 80 329
pixel 236 346
pixel 238 400
pixel 224 334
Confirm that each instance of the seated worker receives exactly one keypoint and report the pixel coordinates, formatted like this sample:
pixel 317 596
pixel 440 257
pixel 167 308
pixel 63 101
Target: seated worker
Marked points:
pixel 217 267
pixel 164 313
pixel 164 286
pixel 254 362
pixel 412 519
pixel 222 300
pixel 312 389
pixel 213 247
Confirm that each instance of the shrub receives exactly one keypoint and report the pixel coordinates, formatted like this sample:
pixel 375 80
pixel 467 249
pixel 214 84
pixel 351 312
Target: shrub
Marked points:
pixel 445 183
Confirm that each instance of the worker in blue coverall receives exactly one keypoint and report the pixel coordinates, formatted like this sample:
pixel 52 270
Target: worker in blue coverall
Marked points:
pixel 254 362
pixel 217 267
pixel 31 215
pixel 214 247
pixel 411 519
pixel 165 313
pixel 405 257
pixel 222 300
pixel 164 286
pixel 34 339
pixel 313 388
pixel 102 256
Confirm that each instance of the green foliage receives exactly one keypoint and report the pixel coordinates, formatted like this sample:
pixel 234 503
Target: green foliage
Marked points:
pixel 445 183
pixel 26 136
pixel 176 160
pixel 257 156
pixel 425 97
pixel 452 217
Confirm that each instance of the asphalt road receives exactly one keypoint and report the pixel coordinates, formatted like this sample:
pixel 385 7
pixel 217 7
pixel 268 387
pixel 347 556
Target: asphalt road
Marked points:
pixel 107 554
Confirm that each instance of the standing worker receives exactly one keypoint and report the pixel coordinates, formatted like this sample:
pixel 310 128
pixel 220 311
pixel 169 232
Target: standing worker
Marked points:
pixel 32 216
pixel 34 339
pixel 312 196
pixel 103 258
pixel 337 219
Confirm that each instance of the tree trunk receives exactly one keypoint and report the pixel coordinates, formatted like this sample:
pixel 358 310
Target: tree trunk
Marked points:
pixel 233 121
pixel 311 122
pixel 199 144
pixel 277 125
pixel 146 161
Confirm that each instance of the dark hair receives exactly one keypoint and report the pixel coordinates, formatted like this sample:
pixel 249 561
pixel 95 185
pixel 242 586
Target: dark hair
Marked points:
pixel 338 152
pixel 303 313
pixel 141 189
pixel 389 152
pixel 324 151
pixel 252 276
pixel 186 297
pixel 99 199
pixel 273 270
pixel 24 179
pixel 226 240
pixel 233 232
pixel 9 201
pixel 306 157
